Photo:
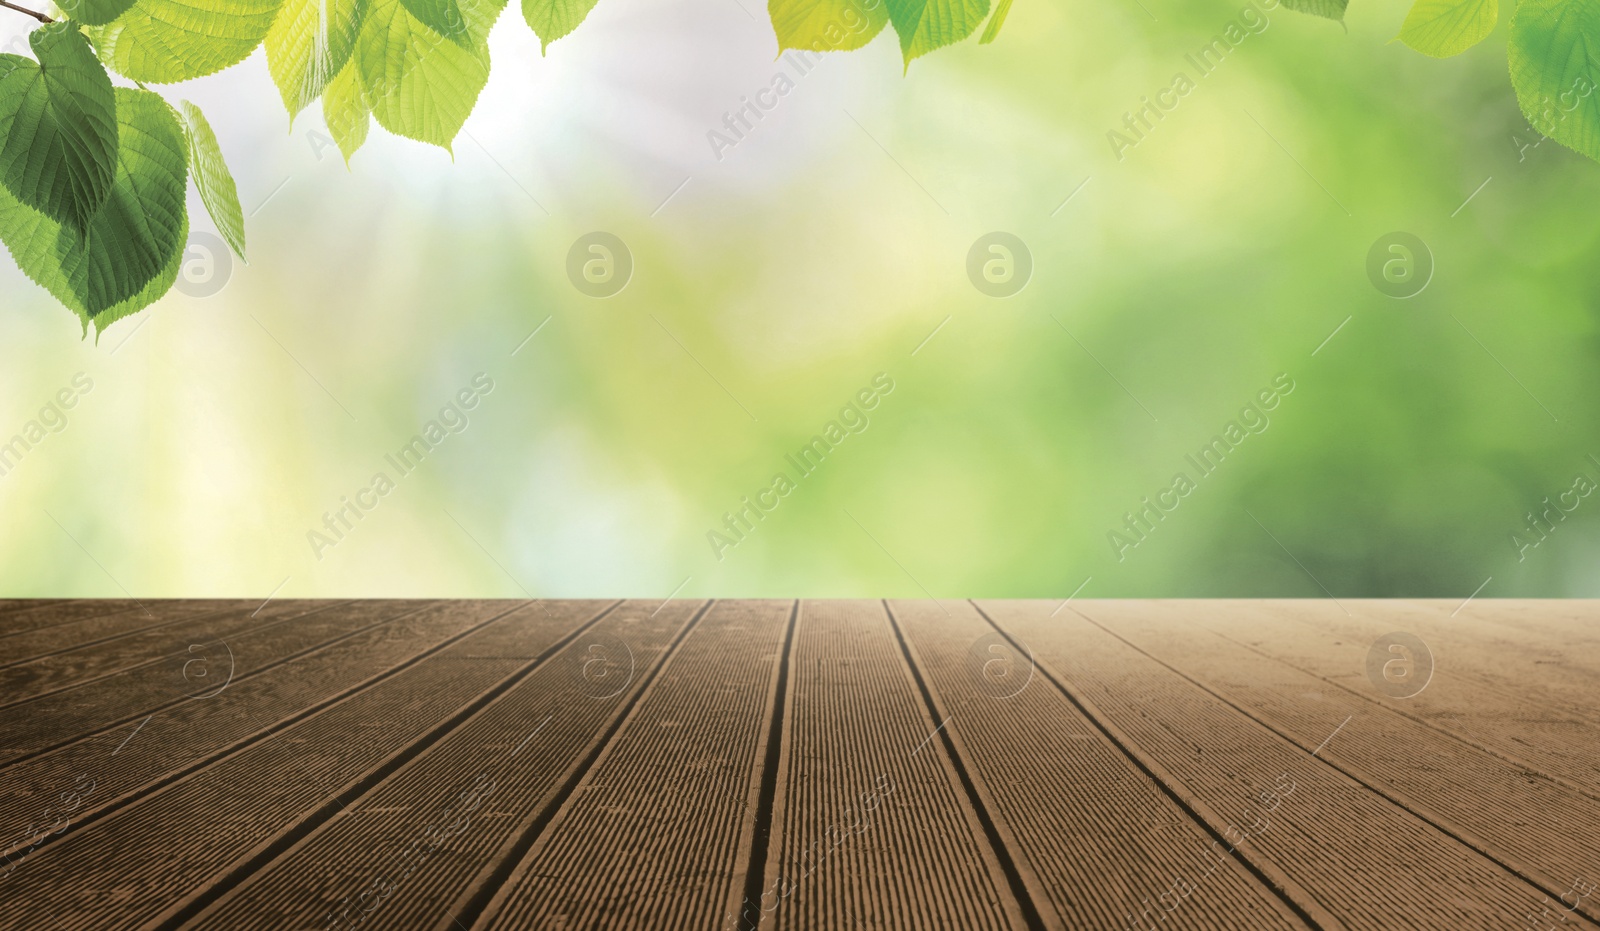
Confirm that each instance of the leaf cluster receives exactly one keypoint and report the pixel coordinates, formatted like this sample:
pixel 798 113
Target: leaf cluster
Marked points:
pixel 94 177
pixel 1553 52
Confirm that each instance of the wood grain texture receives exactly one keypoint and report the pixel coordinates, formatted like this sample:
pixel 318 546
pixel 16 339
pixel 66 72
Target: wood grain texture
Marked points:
pixel 478 765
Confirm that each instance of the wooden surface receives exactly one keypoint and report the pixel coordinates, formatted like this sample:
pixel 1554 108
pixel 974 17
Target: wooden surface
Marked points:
pixel 322 766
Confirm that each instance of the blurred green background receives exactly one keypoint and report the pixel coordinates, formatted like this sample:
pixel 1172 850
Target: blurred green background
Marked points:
pixel 772 284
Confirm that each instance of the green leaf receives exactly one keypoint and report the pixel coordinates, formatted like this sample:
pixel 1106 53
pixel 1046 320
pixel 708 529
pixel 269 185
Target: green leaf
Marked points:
pixel 1442 28
pixel 21 223
pixel 134 235
pixel 552 19
pixel 480 16
pixel 995 22
pixel 442 16
pixel 165 41
pixel 211 176
pixel 58 127
pixel 419 84
pixel 823 25
pixel 310 42
pixel 345 110
pixel 152 292
pixel 32 239
pixel 925 25
pixel 1327 9
pixel 93 12
pixel 1554 69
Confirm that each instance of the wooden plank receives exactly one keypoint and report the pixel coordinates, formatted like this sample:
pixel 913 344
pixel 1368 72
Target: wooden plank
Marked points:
pixel 659 831
pixel 1571 622
pixel 871 827
pixel 1363 859
pixel 130 761
pixel 57 671
pixel 1548 743
pixel 37 615
pixel 1516 664
pixel 197 671
pixel 1554 735
pixel 64 715
pixel 101 628
pixel 13 605
pixel 1533 827
pixel 1538 659
pixel 60 638
pixel 514 758
pixel 1105 845
pixel 225 819
pixel 111 707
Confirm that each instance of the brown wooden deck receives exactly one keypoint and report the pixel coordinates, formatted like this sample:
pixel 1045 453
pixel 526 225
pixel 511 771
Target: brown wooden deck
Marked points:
pixel 322 766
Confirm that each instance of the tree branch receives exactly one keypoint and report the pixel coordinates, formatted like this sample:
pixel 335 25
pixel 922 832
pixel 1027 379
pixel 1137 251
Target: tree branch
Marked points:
pixel 22 9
